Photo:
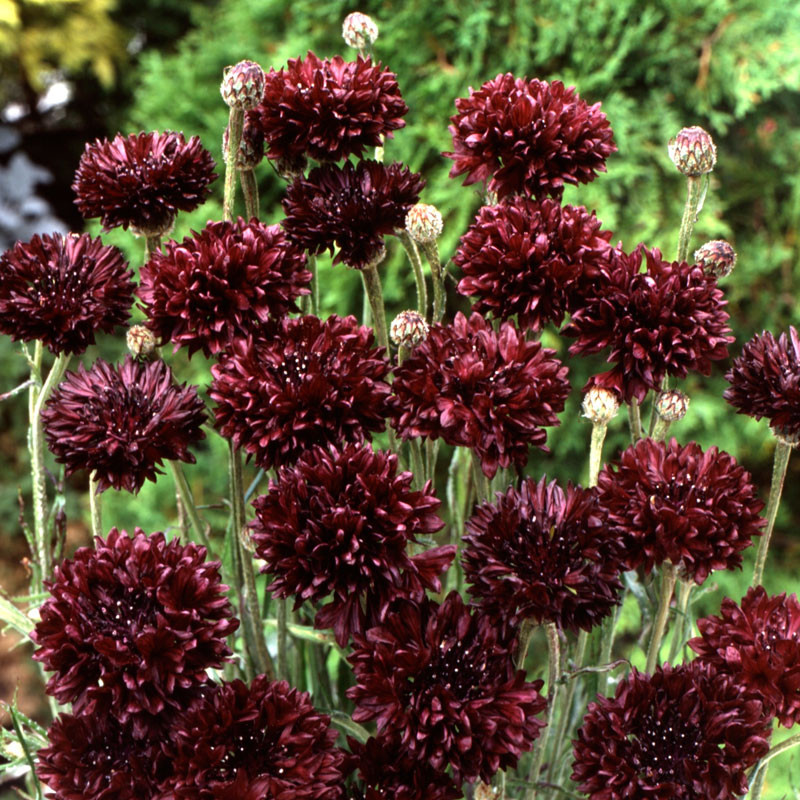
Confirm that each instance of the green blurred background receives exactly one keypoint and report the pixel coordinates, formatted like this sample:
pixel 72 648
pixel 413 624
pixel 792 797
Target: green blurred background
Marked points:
pixel 731 66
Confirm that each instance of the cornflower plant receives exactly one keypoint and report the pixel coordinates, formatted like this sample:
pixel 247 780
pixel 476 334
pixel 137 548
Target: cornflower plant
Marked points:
pixel 359 632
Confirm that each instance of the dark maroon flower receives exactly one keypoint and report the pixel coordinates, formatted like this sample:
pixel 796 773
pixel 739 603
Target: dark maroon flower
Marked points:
pixel 438 678
pixel 389 772
pixel 308 382
pixel 668 320
pixel 252 743
pixel 758 643
pixel 351 208
pixel 336 526
pixel 94 756
pixel 527 258
pixel 122 422
pixel 697 509
pixel 222 284
pixel 329 109
pixel 765 381
pixel 61 290
pixel 474 387
pixel 685 732
pixel 142 180
pixel 132 626
pixel 542 554
pixel 528 137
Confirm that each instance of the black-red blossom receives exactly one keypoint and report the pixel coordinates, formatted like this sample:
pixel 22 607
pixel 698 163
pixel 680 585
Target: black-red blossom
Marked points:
pixel 683 733
pixel 122 422
pixel 142 180
pixel 303 382
pixel 328 109
pixel 765 381
pixel 666 501
pixel 491 391
pixel 335 527
pixel 528 137
pixel 222 284
pixel 438 678
pixel 254 742
pixel 350 208
pixel 61 290
pixel 528 259
pixel 542 554
pixel 758 643
pixel 668 320
pixel 131 627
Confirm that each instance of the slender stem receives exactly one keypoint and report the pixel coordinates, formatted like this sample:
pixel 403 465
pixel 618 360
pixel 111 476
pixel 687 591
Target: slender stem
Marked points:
pixel 247 178
pixel 608 629
pixel 312 268
pixel 553 682
pixel 410 247
pixel 415 447
pixel 660 429
pixel 599 430
pixel 151 245
pixel 760 772
pixel 431 454
pixel 668 576
pixel 185 495
pixel 780 462
pixel 95 505
pixel 635 419
pixel 235 128
pixel 431 250
pixel 681 617
pixel 690 211
pixel 283 638
pixel 523 643
pixel 482 484
pixel 758 781
pixel 372 287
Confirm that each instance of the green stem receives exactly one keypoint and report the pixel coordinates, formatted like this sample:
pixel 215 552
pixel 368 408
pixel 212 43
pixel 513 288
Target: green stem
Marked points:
pixel 482 485
pixel 185 495
pixel 668 576
pixel 599 430
pixel 608 629
pixel 247 178
pixel 372 287
pixel 95 505
pixel 410 247
pixel 431 250
pixel 780 462
pixel 283 638
pixel 314 297
pixel 690 211
pixel 415 448
pixel 760 772
pixel 635 419
pixel 235 128
pixel 523 643
pixel 681 617
pixel 660 429
pixel 151 245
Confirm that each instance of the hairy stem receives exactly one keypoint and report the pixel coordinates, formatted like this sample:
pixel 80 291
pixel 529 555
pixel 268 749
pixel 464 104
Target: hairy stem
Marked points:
pixel 635 419
pixel 95 505
pixel 235 128
pixel 247 178
pixel 668 576
pixel 690 211
pixel 185 495
pixel 599 430
pixel 410 247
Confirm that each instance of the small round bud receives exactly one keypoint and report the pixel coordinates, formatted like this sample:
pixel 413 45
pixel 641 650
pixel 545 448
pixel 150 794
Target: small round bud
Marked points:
pixel 717 258
pixel 141 341
pixel 251 147
pixel 600 405
pixel 693 152
pixel 359 30
pixel 424 223
pixel 243 85
pixel 672 405
pixel 408 329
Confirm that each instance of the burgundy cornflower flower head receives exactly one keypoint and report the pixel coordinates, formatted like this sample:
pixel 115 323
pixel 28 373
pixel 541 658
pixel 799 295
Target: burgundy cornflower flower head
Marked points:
pixel 132 626
pixel 61 290
pixel 668 501
pixel 351 208
pixel 305 382
pixel 389 772
pixel 526 258
pixel 765 382
pixel 669 320
pixel 528 137
pixel 542 554
pixel 338 523
pixel 122 422
pixel 252 743
pixel 758 643
pixel 472 386
pixel 222 284
pixel 685 732
pixel 329 109
pixel 94 756
pixel 436 677
pixel 142 180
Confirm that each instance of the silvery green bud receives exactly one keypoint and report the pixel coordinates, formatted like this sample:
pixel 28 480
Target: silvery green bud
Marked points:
pixel 600 405
pixel 693 152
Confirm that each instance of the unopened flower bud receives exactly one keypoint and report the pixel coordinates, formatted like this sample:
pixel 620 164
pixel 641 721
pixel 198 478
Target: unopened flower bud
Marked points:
pixel 600 405
pixel 424 223
pixel 693 152
pixel 672 405
pixel 717 258
pixel 243 85
pixel 408 329
pixel 141 341
pixel 359 30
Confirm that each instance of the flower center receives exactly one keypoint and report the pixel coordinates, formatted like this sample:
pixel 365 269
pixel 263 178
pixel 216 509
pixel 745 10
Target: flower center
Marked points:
pixel 458 668
pixel 662 745
pixel 251 749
